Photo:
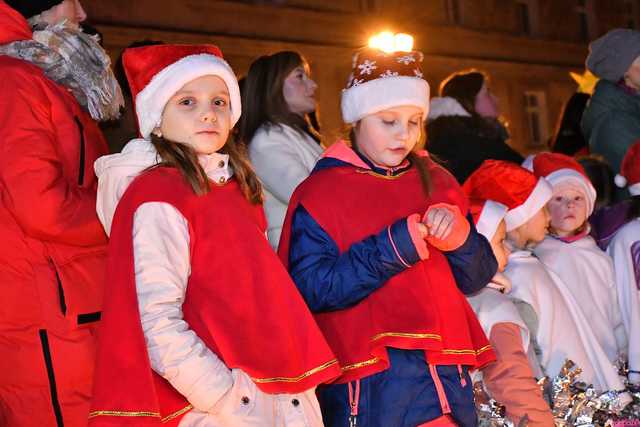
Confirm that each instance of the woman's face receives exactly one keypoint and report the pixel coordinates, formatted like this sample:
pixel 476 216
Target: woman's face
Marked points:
pixel 71 10
pixel 198 115
pixel 632 76
pixel 568 210
pixel 486 103
pixel 299 91
pixel 387 137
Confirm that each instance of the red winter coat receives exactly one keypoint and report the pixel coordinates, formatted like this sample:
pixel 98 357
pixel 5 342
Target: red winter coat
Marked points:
pixel 52 246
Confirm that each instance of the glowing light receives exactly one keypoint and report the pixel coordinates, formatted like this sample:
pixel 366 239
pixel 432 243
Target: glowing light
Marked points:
pixel 388 42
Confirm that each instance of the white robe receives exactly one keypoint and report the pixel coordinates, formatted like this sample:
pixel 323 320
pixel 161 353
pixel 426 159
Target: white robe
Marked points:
pixel 563 331
pixel 588 273
pixel 628 288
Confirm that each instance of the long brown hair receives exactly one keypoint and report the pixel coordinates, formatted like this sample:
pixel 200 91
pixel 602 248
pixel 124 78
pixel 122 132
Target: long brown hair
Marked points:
pixel 413 157
pixel 262 97
pixel 185 159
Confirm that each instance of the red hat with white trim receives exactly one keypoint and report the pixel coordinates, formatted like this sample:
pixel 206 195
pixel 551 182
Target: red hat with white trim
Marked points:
pixel 487 215
pixel 560 171
pixel 155 73
pixel 380 81
pixel 630 170
pixel 511 185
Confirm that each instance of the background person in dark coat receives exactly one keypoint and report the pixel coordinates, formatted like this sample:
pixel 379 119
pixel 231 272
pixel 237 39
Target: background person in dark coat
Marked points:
pixel 463 128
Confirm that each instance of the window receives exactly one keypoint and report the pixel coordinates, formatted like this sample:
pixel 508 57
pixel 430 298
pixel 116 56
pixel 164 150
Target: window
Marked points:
pixel 631 12
pixel 453 12
pixel 524 18
pixel 586 20
pixel 535 106
pixel 527 17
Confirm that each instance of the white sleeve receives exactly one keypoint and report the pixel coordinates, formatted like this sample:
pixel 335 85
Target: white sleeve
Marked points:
pixel 277 163
pixel 162 267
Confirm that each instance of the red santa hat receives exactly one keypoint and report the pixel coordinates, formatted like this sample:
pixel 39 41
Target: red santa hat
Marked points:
pixel 513 186
pixel 630 170
pixel 561 170
pixel 487 215
pixel 382 80
pixel 155 73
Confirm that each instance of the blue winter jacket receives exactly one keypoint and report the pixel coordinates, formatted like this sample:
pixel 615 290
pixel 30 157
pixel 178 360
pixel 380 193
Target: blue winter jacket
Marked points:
pixel 404 394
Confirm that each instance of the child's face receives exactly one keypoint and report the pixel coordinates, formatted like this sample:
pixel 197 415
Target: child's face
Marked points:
pixel 531 232
pixel 198 115
pixel 500 250
pixel 299 91
pixel 568 210
pixel 387 137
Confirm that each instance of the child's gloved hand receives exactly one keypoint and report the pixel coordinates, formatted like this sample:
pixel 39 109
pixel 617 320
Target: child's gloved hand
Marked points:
pixel 447 227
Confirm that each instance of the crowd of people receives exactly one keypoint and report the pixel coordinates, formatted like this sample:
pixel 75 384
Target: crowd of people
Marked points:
pixel 224 268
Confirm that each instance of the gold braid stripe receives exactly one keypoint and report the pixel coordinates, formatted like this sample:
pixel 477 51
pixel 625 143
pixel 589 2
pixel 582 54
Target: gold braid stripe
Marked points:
pixel 378 175
pixel 176 414
pixel 140 414
pixel 298 378
pixel 406 335
pixel 474 352
pixel 361 364
pixel 123 414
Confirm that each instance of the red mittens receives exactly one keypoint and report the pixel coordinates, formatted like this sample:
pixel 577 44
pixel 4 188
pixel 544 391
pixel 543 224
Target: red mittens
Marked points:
pixel 448 228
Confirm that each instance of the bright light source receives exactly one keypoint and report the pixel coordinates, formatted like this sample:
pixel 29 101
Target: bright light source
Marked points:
pixel 403 42
pixel 388 42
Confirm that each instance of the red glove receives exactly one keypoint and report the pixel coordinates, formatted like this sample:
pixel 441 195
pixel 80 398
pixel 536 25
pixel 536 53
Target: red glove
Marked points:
pixel 448 228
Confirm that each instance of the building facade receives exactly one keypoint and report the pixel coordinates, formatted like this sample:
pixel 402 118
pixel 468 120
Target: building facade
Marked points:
pixel 528 47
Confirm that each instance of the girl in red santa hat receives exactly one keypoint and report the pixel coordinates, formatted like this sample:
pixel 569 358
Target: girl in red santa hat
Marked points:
pixel 625 251
pixel 545 302
pixel 380 244
pixel 573 255
pixel 193 333
pixel 510 379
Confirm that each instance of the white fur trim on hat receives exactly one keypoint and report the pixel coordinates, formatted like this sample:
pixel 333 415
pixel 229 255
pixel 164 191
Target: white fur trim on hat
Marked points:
pixel 539 197
pixel 383 93
pixel 634 189
pixel 571 176
pixel 490 217
pixel 150 102
pixel 446 106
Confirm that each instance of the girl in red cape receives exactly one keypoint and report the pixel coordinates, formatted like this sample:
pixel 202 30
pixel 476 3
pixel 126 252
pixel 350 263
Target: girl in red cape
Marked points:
pixel 194 328
pixel 380 244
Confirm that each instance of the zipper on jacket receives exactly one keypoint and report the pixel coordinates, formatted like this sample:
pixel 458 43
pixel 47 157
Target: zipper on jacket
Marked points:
pixel 46 351
pixel 82 149
pixel 442 397
pixel 63 303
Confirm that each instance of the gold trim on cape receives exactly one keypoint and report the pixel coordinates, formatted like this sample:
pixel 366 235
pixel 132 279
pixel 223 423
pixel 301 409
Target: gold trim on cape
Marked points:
pixel 176 414
pixel 361 364
pixel 298 378
pixel 406 335
pixel 140 414
pixel 379 175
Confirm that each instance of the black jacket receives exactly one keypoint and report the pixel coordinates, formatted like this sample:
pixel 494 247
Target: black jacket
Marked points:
pixel 461 144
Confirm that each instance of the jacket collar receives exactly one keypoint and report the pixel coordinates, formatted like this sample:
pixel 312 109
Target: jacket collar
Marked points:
pixel 342 152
